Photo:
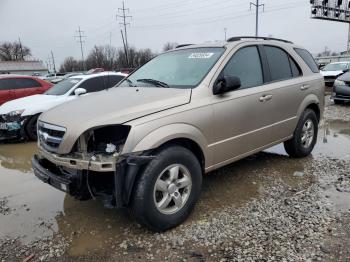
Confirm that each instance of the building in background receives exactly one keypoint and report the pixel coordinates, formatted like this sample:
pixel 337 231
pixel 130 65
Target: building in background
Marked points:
pixel 23 67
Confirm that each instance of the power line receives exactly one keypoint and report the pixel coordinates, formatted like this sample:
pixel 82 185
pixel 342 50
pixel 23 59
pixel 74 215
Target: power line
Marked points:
pixel 257 7
pixel 81 41
pixel 125 23
pixel 219 18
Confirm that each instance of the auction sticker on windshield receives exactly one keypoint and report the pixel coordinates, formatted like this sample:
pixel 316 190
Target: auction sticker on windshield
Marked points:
pixel 201 55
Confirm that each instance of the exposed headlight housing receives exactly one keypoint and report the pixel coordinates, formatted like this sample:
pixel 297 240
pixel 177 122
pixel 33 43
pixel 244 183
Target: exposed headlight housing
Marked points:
pixel 339 83
pixel 16 113
pixel 107 139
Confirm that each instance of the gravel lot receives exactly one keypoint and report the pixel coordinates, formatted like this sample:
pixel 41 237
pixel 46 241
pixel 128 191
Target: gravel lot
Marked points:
pixel 264 208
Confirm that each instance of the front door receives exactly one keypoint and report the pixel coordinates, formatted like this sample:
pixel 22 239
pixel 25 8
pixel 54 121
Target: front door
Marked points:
pixel 242 120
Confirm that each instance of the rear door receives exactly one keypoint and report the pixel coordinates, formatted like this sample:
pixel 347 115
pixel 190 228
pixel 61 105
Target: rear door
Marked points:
pixel 285 86
pixel 6 91
pixel 26 87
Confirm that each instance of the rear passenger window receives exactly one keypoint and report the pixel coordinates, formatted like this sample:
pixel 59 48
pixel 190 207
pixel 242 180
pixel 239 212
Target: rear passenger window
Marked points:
pixel 4 85
pixel 18 83
pixel 94 84
pixel 279 64
pixel 246 65
pixel 113 80
pixel 296 71
pixel 22 83
pixel 308 59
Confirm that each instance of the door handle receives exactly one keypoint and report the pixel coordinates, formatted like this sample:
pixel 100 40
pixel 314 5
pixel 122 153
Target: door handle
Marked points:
pixel 265 98
pixel 305 87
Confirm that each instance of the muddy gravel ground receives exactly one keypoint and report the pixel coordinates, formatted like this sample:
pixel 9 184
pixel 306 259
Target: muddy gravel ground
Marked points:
pixel 266 207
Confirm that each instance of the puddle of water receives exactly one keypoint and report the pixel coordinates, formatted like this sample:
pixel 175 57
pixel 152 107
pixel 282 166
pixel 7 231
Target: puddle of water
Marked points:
pixel 333 141
pixel 341 200
pixel 233 185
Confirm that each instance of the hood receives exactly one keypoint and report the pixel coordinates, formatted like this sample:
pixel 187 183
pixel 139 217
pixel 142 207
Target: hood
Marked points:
pixel 345 77
pixel 30 103
pixel 113 106
pixel 331 73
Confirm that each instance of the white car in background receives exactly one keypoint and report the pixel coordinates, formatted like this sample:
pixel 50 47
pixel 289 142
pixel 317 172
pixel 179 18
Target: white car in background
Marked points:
pixel 331 71
pixel 21 115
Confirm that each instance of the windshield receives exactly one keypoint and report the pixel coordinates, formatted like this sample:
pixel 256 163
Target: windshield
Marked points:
pixel 336 67
pixel 63 87
pixel 177 69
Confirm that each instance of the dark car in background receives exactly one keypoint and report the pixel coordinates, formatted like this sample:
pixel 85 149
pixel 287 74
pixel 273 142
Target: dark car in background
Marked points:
pixel 17 86
pixel 333 70
pixel 341 89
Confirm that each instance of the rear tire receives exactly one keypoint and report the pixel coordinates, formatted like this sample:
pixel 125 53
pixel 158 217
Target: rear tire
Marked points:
pixel 168 189
pixel 305 136
pixel 31 128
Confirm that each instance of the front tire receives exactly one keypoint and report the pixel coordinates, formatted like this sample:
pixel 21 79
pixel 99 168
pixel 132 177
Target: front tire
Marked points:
pixel 168 189
pixel 305 136
pixel 31 128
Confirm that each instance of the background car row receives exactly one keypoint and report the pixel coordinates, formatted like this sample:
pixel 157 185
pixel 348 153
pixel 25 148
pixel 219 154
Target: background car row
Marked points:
pixel 18 117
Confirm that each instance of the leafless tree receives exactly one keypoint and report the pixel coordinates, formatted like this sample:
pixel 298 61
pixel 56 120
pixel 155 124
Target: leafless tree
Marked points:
pixel 169 46
pixel 13 51
pixel 102 56
pixel 109 58
pixel 70 65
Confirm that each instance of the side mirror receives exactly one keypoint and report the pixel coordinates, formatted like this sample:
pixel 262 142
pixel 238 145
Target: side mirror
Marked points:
pixel 226 84
pixel 80 91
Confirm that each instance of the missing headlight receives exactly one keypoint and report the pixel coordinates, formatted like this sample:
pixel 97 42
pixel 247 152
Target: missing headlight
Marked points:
pixel 108 139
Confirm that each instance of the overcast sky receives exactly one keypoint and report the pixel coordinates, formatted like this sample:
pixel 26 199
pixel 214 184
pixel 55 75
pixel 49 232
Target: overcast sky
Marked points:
pixel 46 25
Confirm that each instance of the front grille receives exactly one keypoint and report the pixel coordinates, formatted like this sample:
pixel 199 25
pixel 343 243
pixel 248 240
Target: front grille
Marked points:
pixel 50 136
pixel 342 96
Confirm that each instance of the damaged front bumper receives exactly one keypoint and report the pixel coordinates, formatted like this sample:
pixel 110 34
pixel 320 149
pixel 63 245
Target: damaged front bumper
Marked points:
pixel 11 127
pixel 72 175
pixel 98 163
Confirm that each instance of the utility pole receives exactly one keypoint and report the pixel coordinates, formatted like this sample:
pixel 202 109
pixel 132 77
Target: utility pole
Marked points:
pixel 126 53
pixel 257 7
pixel 225 31
pixel 349 40
pixel 53 62
pixel 20 46
pixel 124 23
pixel 80 37
pixel 48 65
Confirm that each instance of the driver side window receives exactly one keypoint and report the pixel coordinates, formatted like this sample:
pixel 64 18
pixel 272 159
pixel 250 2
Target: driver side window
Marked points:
pixel 246 65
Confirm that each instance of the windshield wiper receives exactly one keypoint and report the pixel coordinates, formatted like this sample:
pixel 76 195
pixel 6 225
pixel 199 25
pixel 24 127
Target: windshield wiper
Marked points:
pixel 131 84
pixel 154 82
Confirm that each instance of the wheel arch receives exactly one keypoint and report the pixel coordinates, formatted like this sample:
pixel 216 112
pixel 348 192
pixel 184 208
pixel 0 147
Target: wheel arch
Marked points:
pixel 310 102
pixel 185 135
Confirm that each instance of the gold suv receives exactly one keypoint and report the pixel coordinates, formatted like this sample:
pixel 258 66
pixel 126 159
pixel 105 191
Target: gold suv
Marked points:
pixel 146 143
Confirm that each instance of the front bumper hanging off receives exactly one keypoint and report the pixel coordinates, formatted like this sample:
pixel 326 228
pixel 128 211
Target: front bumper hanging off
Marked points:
pixel 75 183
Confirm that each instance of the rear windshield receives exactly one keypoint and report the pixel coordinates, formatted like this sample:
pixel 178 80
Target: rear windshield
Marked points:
pixel 308 59
pixel 63 87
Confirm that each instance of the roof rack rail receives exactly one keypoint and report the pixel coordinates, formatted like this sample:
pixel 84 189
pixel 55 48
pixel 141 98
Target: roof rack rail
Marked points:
pixel 179 46
pixel 237 38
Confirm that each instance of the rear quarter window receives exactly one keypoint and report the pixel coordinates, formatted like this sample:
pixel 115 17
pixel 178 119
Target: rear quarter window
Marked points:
pixel 308 59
